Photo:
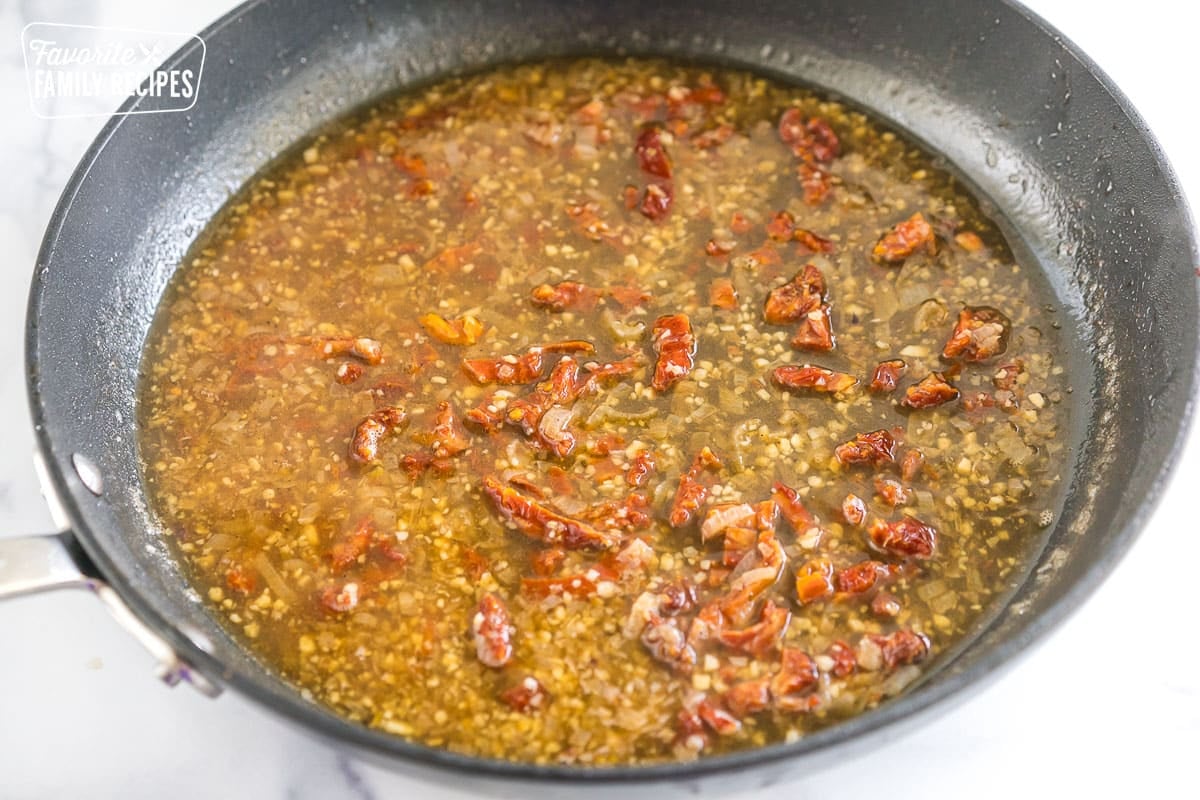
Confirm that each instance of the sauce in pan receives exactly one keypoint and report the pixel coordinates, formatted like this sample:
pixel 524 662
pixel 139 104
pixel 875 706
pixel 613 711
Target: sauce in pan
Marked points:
pixel 603 412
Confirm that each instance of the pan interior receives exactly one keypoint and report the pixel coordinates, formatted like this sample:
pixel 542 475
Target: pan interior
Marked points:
pixel 1015 112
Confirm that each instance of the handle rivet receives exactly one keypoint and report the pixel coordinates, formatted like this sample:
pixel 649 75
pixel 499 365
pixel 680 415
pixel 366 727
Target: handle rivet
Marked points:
pixel 89 473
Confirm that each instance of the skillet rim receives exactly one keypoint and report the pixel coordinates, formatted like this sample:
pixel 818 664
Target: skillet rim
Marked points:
pixel 904 711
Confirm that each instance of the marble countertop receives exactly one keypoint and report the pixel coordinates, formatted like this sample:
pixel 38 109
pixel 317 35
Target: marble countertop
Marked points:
pixel 1108 706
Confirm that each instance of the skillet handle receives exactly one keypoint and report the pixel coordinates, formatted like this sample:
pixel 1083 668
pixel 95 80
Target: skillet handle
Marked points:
pixel 30 564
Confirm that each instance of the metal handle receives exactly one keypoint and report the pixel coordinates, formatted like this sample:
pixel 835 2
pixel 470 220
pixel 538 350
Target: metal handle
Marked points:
pixel 30 564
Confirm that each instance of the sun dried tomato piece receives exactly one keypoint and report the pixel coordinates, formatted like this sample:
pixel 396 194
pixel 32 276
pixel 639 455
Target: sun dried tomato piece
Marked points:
pixel 454 257
pixel 932 390
pixel 422 187
pixel 347 550
pixel 907 536
pixel 546 562
pixel 390 550
pixel 760 258
pixel 668 644
pixel 887 375
pixel 885 604
pixel 369 433
pixel 796 677
pixel 911 464
pixel 689 101
pixel 540 522
pixel 781 226
pixel 875 448
pixel 761 637
pixel 448 438
pixel 562 387
pixel 415 464
pixel 612 369
pixel 389 389
pixel 709 620
pixel 713 137
pixel 980 333
pixel 629 296
pixel 748 697
pixel 640 469
pixel 552 431
pixel 677 598
pixel 651 154
pixel 822 141
pixel 737 542
pixel 488 415
pixel 347 372
pixel 717 718
pixel 721 294
pixel 804 293
pixel 844 660
pixel 411 164
pixel 606 444
pixel 630 195
pixel 815 331
pixel 675 345
pixel 475 563
pixel 592 112
pixel 506 370
pixel 891 491
pixel 766 515
pixel 859 578
pixel 817 379
pixel 788 501
pixel 341 598
pixel 791 126
pixel 691 494
pixel 588 221
pixel 854 510
pixel 903 239
pixel 493 631
pixel 719 247
pixel 814 580
pixel 816 182
pixel 526 696
pixel 1007 375
pixel 526 368
pixel 465 330
pixel 577 585
pixel 369 351
pixel 625 515
pixel 812 139
pixel 814 242
pixel 565 295
pixel 690 735
pixel 656 201
pixel 902 647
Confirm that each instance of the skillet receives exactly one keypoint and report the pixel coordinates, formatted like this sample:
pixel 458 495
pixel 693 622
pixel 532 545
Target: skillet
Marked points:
pixel 1071 173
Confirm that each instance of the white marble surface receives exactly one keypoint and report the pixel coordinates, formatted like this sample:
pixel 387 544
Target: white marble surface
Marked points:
pixel 1109 706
